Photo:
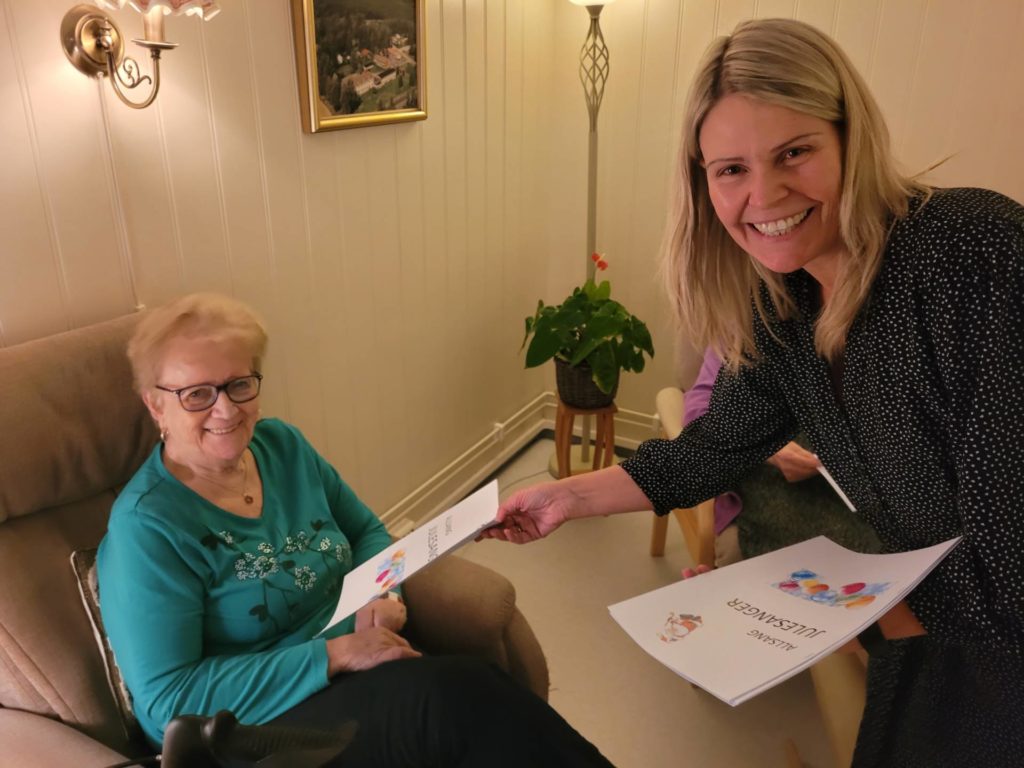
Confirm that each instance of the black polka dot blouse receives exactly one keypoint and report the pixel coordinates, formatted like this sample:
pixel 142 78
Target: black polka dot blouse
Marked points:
pixel 926 432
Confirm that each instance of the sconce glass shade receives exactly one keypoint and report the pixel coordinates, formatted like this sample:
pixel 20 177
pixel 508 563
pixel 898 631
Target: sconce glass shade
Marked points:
pixel 204 9
pixel 591 2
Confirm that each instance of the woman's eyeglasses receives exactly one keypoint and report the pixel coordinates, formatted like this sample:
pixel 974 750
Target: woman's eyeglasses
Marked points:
pixel 199 397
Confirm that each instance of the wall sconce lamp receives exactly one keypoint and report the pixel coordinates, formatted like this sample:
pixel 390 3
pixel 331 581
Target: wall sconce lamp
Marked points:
pixel 93 42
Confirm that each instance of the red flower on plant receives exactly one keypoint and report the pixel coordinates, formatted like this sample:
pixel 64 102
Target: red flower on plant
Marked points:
pixel 595 256
pixel 602 264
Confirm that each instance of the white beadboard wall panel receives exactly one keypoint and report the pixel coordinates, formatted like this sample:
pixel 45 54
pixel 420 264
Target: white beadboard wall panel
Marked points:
pixel 480 319
pixel 495 75
pixel 856 27
pixel 32 294
pixel 989 37
pixel 768 9
pixel 821 13
pixel 430 322
pixel 731 12
pixel 417 305
pixel 239 175
pixel 186 106
pixel 457 300
pixel 945 35
pixel 1004 148
pixel 78 185
pixel 145 194
pixel 695 23
pixel 897 50
pixel 524 264
pixel 366 343
pixel 395 264
pixel 381 276
pixel 1001 140
pixel 544 264
pixel 562 240
pixel 328 312
pixel 294 359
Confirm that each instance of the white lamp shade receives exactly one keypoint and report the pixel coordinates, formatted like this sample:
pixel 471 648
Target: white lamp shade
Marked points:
pixel 204 9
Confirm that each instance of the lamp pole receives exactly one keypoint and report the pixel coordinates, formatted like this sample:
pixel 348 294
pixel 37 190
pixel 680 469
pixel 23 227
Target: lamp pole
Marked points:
pixel 593 75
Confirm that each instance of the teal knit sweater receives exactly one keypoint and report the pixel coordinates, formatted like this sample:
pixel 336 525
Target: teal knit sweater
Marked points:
pixel 206 610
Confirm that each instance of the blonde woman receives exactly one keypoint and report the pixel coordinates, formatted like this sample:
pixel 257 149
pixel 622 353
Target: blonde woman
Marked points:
pixel 884 320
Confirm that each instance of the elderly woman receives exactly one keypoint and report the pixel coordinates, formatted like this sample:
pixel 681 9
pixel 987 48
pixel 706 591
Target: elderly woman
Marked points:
pixel 224 559
pixel 884 320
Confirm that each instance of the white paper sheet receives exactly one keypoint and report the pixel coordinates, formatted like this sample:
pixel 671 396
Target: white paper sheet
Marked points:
pixel 739 630
pixel 434 539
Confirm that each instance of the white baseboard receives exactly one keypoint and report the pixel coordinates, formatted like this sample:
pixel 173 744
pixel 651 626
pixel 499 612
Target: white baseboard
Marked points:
pixel 467 471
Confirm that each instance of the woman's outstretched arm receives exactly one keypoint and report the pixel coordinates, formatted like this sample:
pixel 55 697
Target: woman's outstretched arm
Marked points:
pixel 534 512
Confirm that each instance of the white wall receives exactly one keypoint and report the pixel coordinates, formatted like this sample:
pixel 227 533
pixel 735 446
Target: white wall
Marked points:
pixel 395 264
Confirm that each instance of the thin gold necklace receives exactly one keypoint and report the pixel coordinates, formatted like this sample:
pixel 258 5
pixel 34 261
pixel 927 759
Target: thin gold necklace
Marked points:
pixel 246 496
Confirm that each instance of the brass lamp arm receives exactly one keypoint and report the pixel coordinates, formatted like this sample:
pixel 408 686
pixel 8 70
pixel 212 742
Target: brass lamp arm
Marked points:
pixel 131 79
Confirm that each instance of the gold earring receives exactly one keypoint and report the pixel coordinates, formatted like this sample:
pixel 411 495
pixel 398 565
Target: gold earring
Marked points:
pixel 163 435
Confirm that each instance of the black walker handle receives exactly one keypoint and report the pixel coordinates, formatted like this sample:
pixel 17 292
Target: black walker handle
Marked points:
pixel 191 741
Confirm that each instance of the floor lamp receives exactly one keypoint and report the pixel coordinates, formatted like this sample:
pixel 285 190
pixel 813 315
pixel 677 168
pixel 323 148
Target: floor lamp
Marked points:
pixel 593 75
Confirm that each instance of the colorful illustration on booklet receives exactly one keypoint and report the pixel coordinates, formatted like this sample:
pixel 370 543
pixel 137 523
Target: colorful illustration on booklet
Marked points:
pixel 807 585
pixel 390 571
pixel 678 626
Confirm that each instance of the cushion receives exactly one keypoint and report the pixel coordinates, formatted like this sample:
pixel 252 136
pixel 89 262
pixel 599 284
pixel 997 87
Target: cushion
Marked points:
pixel 72 425
pixel 777 513
pixel 83 562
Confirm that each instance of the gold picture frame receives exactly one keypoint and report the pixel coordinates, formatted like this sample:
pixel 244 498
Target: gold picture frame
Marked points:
pixel 377 76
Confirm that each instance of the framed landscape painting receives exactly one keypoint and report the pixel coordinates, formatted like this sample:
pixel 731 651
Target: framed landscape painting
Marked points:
pixel 360 62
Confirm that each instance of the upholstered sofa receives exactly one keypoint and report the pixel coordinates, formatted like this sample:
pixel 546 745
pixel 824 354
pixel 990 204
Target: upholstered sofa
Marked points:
pixel 72 432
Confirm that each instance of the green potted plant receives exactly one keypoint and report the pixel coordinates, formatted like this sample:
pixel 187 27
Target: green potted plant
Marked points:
pixel 592 338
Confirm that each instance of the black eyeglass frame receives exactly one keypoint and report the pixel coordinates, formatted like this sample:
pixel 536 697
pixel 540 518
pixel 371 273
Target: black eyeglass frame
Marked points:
pixel 219 388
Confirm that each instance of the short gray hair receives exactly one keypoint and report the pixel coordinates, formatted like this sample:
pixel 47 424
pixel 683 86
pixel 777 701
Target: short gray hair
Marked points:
pixel 197 314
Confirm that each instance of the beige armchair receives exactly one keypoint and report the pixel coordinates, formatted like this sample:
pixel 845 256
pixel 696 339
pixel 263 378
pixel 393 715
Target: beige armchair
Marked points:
pixel 72 432
pixel 696 523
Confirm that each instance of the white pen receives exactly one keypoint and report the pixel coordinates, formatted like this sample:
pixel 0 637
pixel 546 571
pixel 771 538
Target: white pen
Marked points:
pixel 835 486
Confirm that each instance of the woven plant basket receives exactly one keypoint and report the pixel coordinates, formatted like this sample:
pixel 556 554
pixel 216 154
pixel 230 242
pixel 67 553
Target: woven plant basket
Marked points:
pixel 576 386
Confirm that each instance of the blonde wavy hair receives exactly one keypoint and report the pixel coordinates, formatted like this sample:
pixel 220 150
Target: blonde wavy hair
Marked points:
pixel 199 315
pixel 712 282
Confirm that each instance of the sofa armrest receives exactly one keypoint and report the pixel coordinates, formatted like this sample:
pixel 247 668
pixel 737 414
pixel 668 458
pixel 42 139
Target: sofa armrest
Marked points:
pixel 34 741
pixel 460 607
pixel 669 405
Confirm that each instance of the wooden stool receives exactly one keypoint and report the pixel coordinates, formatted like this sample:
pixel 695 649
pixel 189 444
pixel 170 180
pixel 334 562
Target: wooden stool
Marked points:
pixel 604 437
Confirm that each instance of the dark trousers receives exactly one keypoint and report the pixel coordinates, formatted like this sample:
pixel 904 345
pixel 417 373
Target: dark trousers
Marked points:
pixel 443 712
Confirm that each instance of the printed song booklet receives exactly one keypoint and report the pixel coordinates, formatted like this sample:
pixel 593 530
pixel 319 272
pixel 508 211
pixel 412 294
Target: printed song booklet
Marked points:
pixel 446 532
pixel 742 629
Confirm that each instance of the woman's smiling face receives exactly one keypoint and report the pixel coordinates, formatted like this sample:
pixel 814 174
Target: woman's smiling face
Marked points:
pixel 775 180
pixel 214 438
